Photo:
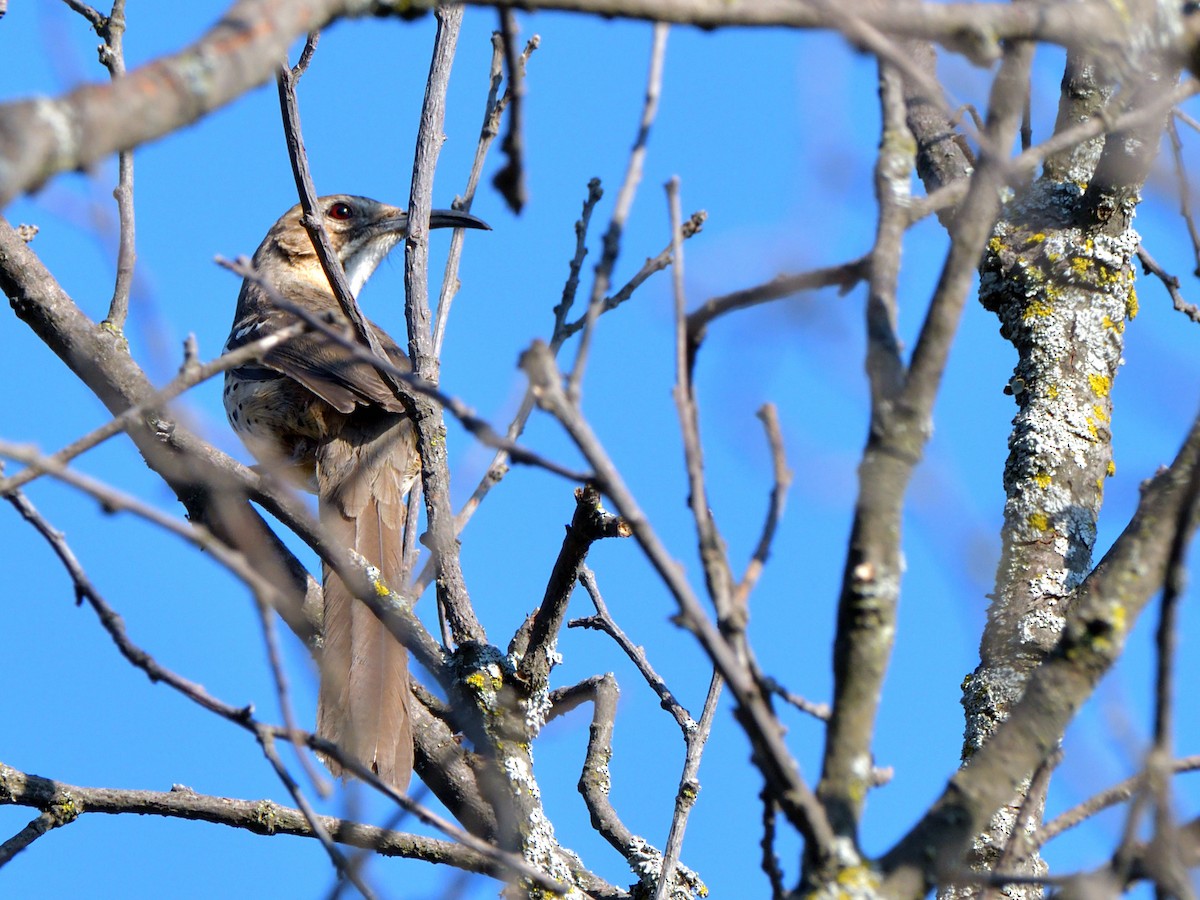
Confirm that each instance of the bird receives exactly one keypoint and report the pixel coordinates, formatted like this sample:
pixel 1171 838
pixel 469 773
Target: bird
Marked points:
pixel 327 421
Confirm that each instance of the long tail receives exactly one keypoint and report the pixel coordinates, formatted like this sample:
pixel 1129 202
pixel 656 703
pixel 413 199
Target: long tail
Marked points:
pixel 363 477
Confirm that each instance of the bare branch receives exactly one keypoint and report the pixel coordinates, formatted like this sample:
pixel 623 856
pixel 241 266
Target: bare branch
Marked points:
pixel 624 203
pixel 257 816
pixel 603 621
pixel 1118 793
pixel 534 645
pixel 771 753
pixel 713 555
pixel 779 490
pixel 493 110
pixel 689 789
pixel 453 601
pixel 1171 282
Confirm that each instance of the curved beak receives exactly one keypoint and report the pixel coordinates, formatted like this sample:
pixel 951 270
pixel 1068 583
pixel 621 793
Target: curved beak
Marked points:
pixel 452 218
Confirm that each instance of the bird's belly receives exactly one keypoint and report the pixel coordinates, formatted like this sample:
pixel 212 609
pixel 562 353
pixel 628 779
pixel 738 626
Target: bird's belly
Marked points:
pixel 279 421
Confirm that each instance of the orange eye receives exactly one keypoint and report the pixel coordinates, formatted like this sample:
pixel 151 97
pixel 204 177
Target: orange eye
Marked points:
pixel 341 211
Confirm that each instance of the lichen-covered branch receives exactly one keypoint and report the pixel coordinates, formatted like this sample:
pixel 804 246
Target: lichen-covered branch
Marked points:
pixel 1092 638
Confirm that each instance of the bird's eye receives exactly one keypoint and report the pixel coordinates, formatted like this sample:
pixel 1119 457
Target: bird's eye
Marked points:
pixel 341 211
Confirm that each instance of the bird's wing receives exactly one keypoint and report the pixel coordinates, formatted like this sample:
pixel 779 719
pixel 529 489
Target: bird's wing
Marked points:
pixel 319 361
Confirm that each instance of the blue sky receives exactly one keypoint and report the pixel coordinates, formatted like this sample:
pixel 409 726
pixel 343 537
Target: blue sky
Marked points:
pixel 773 134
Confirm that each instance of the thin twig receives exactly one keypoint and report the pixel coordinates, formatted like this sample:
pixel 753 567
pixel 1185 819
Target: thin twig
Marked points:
pixel 713 554
pixel 493 110
pixel 1170 282
pixel 266 741
pixel 112 55
pixel 653 264
pixel 306 56
pixel 624 203
pixel 1106 799
pixel 782 482
pixel 190 375
pixel 427 415
pixel 603 621
pixel 816 710
pixel 40 825
pixel 94 16
pixel 762 727
pixel 283 694
pixel 689 788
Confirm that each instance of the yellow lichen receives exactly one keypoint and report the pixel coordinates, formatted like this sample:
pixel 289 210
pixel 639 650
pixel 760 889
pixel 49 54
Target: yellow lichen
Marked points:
pixel 1042 479
pixel 1131 304
pixel 266 815
pixel 1101 385
pixel 1037 309
pixel 1039 521
pixel 1080 265
pixel 1100 412
pixel 995 245
pixel 1052 391
pixel 1111 468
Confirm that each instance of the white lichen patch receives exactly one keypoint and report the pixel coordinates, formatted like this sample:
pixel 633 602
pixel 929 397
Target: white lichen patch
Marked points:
pixel 646 862
pixel 65 146
pixel 988 697
pixel 1063 296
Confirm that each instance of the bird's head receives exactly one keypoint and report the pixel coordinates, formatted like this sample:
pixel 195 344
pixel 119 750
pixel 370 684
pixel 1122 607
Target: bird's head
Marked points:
pixel 362 232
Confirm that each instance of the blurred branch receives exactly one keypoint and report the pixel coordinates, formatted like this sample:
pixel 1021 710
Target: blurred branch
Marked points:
pixel 42 137
pixel 111 29
pixel 976 30
pixel 510 180
pixel 843 277
pixel 1110 797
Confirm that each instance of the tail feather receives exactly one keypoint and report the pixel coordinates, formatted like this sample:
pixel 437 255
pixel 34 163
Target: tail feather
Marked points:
pixel 363 705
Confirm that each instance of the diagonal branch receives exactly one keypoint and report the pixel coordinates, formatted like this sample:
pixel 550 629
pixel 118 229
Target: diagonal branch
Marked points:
pixel 1100 618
